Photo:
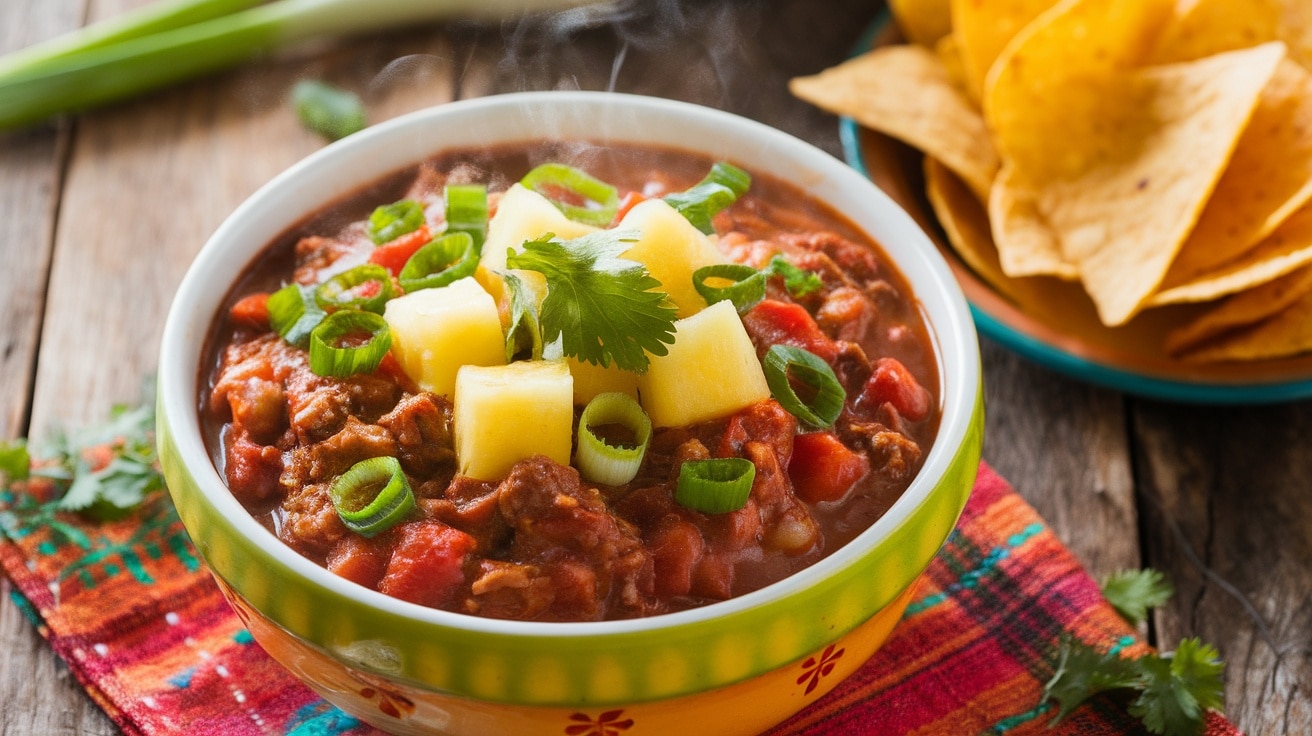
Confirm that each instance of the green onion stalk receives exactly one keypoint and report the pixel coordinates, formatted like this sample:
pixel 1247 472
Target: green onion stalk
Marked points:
pixel 175 40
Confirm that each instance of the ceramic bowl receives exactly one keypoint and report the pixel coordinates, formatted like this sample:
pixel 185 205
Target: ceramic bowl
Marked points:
pixel 735 667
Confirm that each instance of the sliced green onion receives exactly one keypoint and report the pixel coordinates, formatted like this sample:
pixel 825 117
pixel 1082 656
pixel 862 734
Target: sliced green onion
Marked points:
pixel 328 358
pixel 466 211
pixel 722 187
pixel 549 179
pixel 373 496
pixel 600 461
pixel 327 110
pixel 390 221
pixel 167 42
pixel 293 313
pixel 715 486
pixel 798 281
pixel 525 330
pixel 442 261
pixel 350 289
pixel 746 288
pixel 783 363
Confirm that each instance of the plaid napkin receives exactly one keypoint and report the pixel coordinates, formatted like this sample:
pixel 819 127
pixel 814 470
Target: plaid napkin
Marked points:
pixel 131 609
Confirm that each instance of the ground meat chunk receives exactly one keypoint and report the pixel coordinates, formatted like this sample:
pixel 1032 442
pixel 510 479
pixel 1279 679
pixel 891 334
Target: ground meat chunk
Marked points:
pixel 326 460
pixel 513 590
pixel 421 425
pixel 892 454
pixel 319 407
pixel 787 523
pixel 846 313
pixel 309 522
pixel 595 556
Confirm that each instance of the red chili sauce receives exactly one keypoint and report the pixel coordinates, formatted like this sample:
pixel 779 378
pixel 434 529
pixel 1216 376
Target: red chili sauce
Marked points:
pixel 543 544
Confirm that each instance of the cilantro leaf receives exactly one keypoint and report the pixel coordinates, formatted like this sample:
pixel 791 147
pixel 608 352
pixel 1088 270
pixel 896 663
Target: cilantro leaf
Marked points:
pixel 603 308
pixel 525 331
pixel 1176 688
pixel 798 281
pixel 15 463
pixel 1133 592
pixel 1083 672
pixel 1173 690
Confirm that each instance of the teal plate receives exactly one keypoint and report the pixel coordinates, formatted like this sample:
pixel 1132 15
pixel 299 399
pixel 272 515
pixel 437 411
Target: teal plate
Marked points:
pixel 1053 323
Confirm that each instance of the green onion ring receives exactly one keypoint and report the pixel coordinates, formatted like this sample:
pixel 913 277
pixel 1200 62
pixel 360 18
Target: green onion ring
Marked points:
pixel 723 185
pixel 336 292
pixel 293 313
pixel 372 496
pixel 715 486
pixel 443 261
pixel 746 291
pixel 391 221
pixel 327 359
pixel 606 199
pixel 601 462
pixel 783 362
pixel 466 211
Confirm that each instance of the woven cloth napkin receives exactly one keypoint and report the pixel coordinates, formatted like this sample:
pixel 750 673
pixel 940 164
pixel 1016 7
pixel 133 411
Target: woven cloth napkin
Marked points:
pixel 132 610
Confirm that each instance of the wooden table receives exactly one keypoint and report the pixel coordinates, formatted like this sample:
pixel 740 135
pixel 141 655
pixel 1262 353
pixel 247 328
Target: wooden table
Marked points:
pixel 101 213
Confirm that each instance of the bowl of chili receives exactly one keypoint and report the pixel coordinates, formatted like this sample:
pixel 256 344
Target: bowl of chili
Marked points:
pixel 479 546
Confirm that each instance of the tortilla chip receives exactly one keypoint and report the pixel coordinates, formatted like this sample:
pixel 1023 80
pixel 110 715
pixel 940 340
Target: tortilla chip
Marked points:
pixel 983 28
pixel 966 223
pixel 1296 30
pixel 1268 179
pixel 1288 332
pixel 1026 244
pixel 1139 151
pixel 1286 249
pixel 904 92
pixel 1247 308
pixel 950 54
pixel 1206 27
pixel 922 21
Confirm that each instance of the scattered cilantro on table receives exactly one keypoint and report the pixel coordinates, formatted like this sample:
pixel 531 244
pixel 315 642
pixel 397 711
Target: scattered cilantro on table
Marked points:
pixel 101 472
pixel 1171 691
pixel 603 308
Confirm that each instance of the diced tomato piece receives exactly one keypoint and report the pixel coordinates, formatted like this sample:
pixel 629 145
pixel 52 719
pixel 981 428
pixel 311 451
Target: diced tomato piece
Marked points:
pixel 359 559
pixel 765 421
pixel 676 547
pixel 891 382
pixel 428 563
pixel 774 322
pixel 823 468
pixel 393 254
pixel 252 311
pixel 253 469
pixel 630 200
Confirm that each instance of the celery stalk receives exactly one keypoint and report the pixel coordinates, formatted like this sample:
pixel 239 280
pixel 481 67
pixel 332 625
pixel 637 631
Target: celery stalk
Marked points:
pixel 113 63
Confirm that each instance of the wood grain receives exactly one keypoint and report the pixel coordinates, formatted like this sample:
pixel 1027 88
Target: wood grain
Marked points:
pixel 1225 493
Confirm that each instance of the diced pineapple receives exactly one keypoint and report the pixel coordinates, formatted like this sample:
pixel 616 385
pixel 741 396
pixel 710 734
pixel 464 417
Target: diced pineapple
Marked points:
pixel 435 331
pixel 711 371
pixel 591 379
pixel 523 214
pixel 506 413
pixel 671 249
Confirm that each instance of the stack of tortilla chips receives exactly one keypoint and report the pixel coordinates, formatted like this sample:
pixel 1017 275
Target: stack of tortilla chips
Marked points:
pixel 1157 151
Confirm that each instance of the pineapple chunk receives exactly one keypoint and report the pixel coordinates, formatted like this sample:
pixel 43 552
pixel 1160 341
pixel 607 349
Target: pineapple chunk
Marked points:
pixel 671 249
pixel 506 413
pixel 711 371
pixel 435 331
pixel 523 214
pixel 591 379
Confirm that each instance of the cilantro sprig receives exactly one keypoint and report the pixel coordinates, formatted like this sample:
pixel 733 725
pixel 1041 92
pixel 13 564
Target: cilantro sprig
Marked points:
pixel 604 309
pixel 1171 691
pixel 102 471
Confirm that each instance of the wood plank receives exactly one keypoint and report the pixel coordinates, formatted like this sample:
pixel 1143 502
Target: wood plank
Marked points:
pixel 147 181
pixel 1225 495
pixel 40 696
pixel 1062 444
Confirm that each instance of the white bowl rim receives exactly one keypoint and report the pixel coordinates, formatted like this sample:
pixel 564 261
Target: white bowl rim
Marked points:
pixel 952 332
